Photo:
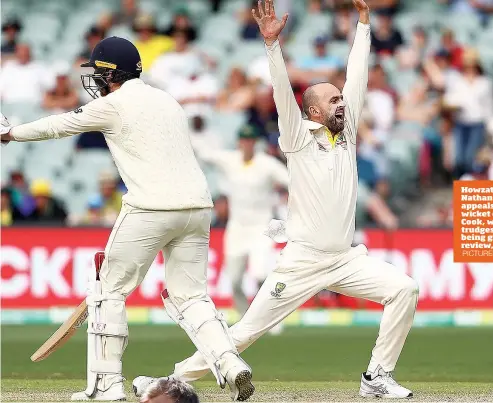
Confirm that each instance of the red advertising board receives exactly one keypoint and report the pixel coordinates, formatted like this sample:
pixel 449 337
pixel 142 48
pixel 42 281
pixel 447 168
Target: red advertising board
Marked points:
pixel 45 267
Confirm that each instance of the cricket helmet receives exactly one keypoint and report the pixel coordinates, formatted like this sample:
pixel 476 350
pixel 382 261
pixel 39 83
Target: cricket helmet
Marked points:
pixel 114 60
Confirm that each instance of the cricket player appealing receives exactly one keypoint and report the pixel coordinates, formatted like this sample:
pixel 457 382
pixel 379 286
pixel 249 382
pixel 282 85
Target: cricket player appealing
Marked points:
pixel 321 155
pixel 252 177
pixel 167 207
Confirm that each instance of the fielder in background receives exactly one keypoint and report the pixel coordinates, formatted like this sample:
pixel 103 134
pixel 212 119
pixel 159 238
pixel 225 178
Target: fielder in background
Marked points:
pixel 167 207
pixel 252 177
pixel 321 155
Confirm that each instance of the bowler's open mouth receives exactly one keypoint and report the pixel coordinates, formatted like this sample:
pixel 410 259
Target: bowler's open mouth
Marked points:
pixel 340 113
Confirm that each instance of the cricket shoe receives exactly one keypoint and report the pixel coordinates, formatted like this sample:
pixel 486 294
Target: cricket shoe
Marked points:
pixel 382 384
pixel 116 393
pixel 277 329
pixel 239 379
pixel 141 383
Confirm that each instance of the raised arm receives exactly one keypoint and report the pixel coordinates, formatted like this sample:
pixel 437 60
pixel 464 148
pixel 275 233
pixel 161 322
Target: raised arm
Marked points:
pixel 98 115
pixel 290 119
pixel 210 155
pixel 357 67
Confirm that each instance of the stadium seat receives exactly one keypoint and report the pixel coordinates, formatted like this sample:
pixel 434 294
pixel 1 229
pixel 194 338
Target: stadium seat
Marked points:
pixel 228 125
pixel 215 51
pixel 98 7
pixel 18 113
pixel 123 32
pixel 41 31
pixel 63 190
pixel 163 19
pixel 402 150
pixel 298 49
pixel 461 22
pixel 233 6
pixel 77 25
pixel 61 9
pixel 486 56
pixel 312 26
pixel 199 10
pixel 245 52
pixel 403 80
pixel 211 32
pixel 150 7
pixel 48 159
pixel 12 157
pixel 407 21
pixel 85 167
pixel 339 49
pixel 65 51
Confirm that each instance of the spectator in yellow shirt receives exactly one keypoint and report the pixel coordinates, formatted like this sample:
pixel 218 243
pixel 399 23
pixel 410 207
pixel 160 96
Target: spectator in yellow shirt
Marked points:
pixel 149 44
pixel 9 213
pixel 111 197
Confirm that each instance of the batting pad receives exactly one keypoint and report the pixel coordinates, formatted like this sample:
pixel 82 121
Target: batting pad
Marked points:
pixel 107 336
pixel 207 329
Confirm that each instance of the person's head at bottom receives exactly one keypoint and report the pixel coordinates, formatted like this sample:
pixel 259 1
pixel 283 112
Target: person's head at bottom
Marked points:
pixel 166 390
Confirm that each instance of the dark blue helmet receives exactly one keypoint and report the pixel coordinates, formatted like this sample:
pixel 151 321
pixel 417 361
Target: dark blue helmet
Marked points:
pixel 115 60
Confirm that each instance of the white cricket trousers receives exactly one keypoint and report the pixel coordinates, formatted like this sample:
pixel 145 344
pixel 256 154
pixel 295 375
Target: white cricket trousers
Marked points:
pixel 245 247
pixel 302 273
pixel 138 236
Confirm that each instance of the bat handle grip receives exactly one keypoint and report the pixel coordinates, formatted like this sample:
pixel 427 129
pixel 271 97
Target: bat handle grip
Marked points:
pixel 98 262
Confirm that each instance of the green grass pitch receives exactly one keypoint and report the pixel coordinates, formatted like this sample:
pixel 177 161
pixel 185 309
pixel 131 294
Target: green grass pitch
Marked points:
pixel 301 364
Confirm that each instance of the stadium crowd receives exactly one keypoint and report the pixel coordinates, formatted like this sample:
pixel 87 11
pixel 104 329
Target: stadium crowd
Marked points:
pixel 428 117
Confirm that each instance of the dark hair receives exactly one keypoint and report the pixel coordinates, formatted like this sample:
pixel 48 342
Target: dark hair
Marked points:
pixel 220 198
pixel 477 66
pixel 180 31
pixel 119 76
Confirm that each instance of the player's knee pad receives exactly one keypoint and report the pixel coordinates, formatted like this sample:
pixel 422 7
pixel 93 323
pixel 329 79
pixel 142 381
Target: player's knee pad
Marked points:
pixel 107 334
pixel 206 328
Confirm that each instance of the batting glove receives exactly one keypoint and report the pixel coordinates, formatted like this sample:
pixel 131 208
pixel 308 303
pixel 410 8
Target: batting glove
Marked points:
pixel 5 127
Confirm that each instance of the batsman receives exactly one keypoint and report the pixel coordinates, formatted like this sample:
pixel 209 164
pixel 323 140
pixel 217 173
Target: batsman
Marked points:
pixel 321 158
pixel 167 207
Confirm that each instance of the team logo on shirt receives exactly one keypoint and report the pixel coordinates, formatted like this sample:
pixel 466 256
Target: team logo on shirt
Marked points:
pixel 341 141
pixel 278 289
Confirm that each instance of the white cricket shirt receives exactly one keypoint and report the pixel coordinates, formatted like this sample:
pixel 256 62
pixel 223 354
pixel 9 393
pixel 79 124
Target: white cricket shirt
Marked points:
pixel 148 136
pixel 24 82
pixel 323 176
pixel 250 193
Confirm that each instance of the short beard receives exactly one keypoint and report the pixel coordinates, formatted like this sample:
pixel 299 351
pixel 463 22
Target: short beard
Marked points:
pixel 334 124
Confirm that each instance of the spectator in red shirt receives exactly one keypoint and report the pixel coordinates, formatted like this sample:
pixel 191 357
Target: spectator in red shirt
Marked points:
pixel 455 50
pixel 378 80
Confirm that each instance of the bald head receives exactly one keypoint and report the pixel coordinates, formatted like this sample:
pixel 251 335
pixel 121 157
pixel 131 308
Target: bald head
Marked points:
pixel 323 103
pixel 316 93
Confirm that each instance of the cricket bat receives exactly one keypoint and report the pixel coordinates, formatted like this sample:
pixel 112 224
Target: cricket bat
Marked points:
pixel 70 326
pixel 63 333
